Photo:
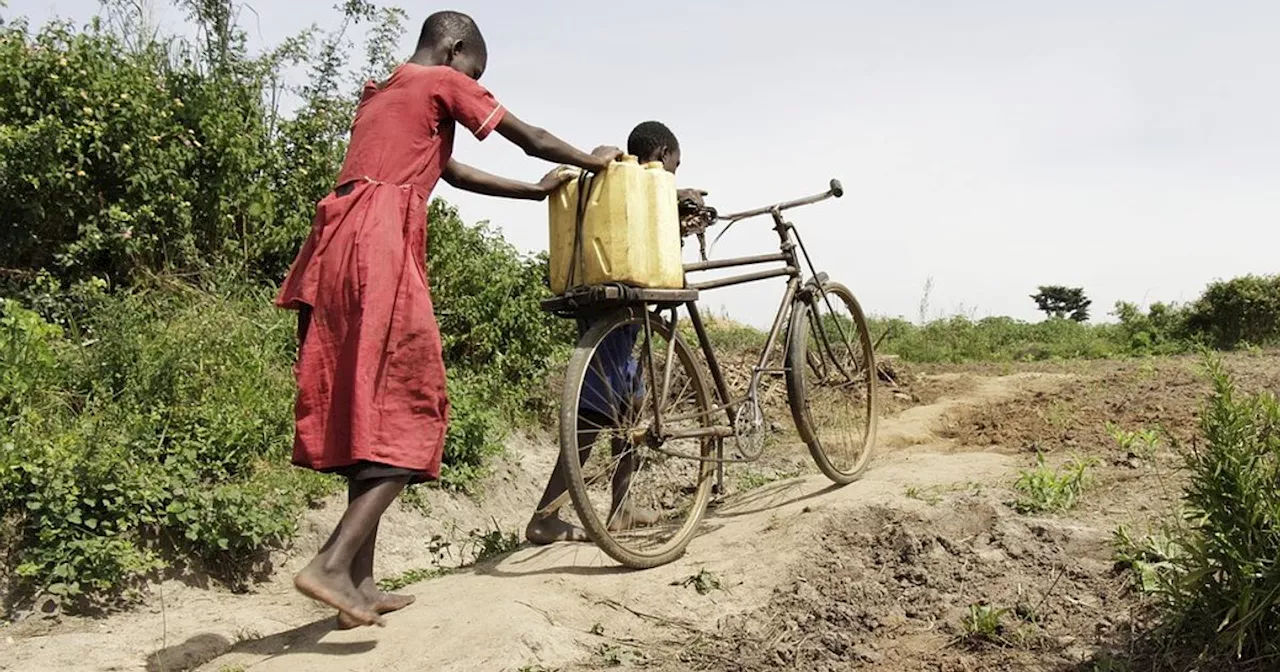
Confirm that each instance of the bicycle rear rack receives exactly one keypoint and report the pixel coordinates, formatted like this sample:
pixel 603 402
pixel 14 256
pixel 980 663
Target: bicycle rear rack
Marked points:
pixel 594 300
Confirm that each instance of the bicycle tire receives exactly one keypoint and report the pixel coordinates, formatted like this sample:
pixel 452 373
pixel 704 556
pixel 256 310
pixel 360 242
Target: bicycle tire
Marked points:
pixel 799 387
pixel 614 545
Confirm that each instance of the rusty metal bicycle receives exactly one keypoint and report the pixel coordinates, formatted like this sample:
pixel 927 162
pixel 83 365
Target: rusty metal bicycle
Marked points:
pixel 664 409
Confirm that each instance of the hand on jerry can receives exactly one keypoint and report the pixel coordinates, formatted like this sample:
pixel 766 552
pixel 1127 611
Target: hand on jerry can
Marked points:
pixel 607 152
pixel 558 176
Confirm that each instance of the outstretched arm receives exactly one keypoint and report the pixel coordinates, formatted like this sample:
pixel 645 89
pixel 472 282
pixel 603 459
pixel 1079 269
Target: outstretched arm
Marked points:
pixel 467 178
pixel 540 143
pixel 471 105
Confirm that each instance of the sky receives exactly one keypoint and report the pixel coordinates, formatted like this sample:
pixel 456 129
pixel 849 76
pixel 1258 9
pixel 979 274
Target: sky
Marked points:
pixel 1131 148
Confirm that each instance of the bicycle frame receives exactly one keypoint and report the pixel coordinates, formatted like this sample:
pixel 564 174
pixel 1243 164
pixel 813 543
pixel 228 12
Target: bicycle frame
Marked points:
pixel 798 288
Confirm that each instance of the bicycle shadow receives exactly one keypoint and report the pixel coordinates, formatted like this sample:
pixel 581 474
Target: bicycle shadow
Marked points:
pixel 564 558
pixel 585 559
pixel 770 498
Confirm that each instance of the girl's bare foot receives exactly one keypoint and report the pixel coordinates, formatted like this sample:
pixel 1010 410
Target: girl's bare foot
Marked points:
pixel 543 530
pixel 632 517
pixel 336 590
pixel 383 603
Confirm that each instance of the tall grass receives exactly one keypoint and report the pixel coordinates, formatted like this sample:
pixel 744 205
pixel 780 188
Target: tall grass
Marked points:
pixel 959 339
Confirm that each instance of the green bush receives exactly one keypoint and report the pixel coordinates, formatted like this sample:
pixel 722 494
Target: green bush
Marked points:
pixel 487 301
pixel 1242 311
pixel 120 161
pixel 162 424
pixel 1223 587
pixel 1160 330
pixel 159 427
pixel 145 381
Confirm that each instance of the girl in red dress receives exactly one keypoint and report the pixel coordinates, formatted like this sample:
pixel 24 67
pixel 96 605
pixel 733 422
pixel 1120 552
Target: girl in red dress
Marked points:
pixel 371 382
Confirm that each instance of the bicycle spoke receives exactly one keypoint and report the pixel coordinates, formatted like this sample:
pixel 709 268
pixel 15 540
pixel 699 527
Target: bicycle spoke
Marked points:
pixel 642 489
pixel 836 387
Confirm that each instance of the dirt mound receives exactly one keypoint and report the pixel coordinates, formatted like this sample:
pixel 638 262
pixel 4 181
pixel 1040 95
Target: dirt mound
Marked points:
pixel 1164 394
pixel 962 586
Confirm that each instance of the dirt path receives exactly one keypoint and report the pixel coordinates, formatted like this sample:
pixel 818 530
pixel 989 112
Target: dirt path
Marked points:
pixel 554 606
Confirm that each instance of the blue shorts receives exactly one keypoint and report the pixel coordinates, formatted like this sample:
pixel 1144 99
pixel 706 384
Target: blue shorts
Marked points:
pixel 613 381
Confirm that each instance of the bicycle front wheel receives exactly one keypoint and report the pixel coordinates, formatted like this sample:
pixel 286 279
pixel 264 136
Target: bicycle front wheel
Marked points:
pixel 831 381
pixel 637 487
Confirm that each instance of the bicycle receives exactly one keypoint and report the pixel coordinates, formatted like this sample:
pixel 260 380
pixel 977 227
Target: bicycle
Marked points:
pixel 659 413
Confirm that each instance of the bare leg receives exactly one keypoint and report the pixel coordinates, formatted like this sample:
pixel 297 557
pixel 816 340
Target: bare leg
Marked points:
pixel 327 578
pixel 624 514
pixel 545 527
pixel 362 573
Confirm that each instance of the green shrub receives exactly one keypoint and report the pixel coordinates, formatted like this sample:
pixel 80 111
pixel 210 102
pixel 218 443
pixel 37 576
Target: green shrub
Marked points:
pixel 1161 330
pixel 959 339
pixel 1237 312
pixel 1223 593
pixel 148 420
pixel 161 427
pixel 158 429
pixel 123 154
pixel 487 301
pixel 476 428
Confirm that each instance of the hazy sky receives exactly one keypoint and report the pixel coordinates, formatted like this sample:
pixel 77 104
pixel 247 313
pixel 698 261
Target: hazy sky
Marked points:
pixel 1130 147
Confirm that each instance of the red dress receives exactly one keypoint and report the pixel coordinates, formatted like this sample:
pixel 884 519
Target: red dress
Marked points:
pixel 371 381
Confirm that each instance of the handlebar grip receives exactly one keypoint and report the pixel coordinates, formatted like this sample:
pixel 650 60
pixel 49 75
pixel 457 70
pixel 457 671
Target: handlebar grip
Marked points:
pixel 836 189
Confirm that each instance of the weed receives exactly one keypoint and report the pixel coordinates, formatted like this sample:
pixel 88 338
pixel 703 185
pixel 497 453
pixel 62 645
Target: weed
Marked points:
pixel 485 545
pixel 1058 414
pixel 704 582
pixel 932 495
pixel 1048 490
pixel 750 479
pixel 1144 442
pixel 415 499
pixel 985 624
pixel 412 576
pixel 1150 558
pixel 616 655
pixel 439 547
pixel 1109 663
pixel 537 667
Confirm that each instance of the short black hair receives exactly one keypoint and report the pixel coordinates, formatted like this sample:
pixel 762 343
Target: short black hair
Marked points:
pixel 649 137
pixel 450 26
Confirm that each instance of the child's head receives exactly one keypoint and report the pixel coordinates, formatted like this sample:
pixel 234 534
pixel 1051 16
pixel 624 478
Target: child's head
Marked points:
pixel 453 39
pixel 653 141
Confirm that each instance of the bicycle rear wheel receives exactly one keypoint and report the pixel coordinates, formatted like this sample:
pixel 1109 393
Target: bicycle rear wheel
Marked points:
pixel 831 381
pixel 639 493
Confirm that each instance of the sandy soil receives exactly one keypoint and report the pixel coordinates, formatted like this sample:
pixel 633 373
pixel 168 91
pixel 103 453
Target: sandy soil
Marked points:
pixel 792 574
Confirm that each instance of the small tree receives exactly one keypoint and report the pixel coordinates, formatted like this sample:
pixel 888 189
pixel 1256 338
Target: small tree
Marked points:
pixel 1063 302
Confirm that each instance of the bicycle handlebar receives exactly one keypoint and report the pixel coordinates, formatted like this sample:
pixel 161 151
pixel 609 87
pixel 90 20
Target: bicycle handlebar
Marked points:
pixel 696 219
pixel 834 189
